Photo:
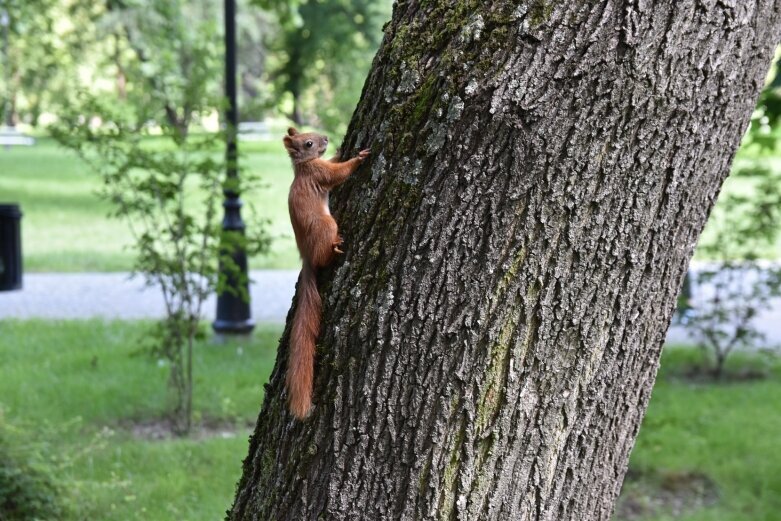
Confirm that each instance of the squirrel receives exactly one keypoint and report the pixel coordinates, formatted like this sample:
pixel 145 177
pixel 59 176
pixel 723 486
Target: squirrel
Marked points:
pixel 318 241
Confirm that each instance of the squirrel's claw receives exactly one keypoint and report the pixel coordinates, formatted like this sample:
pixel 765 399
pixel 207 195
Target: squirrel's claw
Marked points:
pixel 338 242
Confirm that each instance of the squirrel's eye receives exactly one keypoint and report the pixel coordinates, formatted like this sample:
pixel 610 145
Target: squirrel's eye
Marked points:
pixel 309 144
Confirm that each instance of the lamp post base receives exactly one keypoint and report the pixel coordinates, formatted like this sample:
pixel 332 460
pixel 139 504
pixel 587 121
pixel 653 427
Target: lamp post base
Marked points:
pixel 233 327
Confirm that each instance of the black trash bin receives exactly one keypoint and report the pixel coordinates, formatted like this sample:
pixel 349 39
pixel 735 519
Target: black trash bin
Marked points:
pixel 10 247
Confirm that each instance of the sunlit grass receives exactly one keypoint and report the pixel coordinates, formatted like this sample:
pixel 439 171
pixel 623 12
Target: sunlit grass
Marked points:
pixel 66 225
pixel 66 228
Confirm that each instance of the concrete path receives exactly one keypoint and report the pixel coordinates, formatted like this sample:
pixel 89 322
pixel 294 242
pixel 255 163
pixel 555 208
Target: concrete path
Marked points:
pixel 768 322
pixel 115 295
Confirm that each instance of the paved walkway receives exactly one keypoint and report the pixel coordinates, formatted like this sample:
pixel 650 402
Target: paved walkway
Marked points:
pixel 116 295
pixel 768 322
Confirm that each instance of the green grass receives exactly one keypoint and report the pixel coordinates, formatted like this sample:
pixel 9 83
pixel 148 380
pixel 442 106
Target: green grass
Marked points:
pixel 66 228
pixel 71 386
pixel 727 431
pixel 65 224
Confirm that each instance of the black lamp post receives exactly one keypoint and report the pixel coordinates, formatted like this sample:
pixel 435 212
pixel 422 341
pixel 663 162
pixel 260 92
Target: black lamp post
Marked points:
pixel 233 311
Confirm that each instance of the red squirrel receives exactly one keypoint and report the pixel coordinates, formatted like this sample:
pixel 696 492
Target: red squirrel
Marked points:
pixel 318 241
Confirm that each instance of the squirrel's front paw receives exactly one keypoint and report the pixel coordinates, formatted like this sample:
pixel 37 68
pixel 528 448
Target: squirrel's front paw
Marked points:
pixel 363 154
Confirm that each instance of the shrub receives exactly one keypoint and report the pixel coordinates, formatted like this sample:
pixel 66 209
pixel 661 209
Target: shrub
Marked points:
pixel 732 295
pixel 27 492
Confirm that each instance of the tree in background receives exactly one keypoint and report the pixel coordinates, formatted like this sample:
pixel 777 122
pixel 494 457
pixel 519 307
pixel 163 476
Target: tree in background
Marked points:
pixel 174 56
pixel 256 32
pixel 326 48
pixel 41 58
pixel 306 59
pixel 169 194
pixel 540 174
pixel 22 22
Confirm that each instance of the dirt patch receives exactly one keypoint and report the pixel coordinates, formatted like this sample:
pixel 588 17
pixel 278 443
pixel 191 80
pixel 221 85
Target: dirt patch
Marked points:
pixel 672 493
pixel 161 429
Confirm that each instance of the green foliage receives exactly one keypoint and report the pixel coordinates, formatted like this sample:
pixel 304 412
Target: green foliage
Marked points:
pixel 35 467
pixel 32 65
pixel 307 59
pixel 27 490
pixel 326 48
pixel 169 55
pixel 768 112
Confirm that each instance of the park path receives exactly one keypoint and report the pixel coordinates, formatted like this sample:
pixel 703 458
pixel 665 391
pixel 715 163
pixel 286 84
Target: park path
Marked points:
pixel 117 296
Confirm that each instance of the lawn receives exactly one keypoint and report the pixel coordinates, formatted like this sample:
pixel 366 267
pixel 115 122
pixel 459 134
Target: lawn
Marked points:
pixel 727 432
pixel 65 224
pixel 74 389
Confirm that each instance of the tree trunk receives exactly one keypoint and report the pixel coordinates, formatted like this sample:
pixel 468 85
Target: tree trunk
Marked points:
pixel 296 116
pixel 12 91
pixel 295 74
pixel 120 78
pixel 540 174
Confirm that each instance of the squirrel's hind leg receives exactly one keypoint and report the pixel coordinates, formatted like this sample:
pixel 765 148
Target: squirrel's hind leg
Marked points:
pixel 325 242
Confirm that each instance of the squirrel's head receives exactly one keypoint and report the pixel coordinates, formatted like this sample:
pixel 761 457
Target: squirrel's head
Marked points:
pixel 304 146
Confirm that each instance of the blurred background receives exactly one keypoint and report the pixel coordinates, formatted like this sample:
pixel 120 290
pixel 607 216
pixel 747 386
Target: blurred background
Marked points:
pixel 118 401
pixel 300 63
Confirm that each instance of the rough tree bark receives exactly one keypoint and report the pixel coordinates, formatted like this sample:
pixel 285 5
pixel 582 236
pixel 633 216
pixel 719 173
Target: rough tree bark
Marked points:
pixel 540 174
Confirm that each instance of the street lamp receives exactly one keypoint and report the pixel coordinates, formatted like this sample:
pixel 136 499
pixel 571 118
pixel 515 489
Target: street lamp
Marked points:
pixel 233 310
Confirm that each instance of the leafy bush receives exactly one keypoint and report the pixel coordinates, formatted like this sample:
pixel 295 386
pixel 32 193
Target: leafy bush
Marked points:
pixel 733 294
pixel 27 492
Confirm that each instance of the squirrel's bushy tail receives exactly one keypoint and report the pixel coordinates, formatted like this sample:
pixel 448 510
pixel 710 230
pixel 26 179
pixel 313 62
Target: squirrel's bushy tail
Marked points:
pixel 301 357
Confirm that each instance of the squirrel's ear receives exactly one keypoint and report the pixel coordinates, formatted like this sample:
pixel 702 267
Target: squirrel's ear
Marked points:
pixel 292 131
pixel 288 143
